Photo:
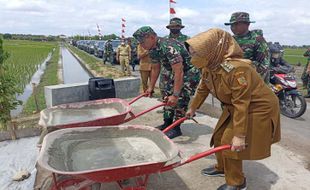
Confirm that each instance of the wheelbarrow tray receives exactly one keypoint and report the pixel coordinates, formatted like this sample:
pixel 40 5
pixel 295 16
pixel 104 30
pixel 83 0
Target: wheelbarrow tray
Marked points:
pixel 112 111
pixel 106 154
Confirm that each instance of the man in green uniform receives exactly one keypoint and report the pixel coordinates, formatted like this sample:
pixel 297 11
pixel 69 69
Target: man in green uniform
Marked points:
pixel 253 44
pixel 108 52
pixel 306 74
pixel 178 78
pixel 175 27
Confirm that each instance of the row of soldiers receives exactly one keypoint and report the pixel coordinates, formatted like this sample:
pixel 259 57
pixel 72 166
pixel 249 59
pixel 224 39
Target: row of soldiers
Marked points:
pixel 252 43
pixel 212 62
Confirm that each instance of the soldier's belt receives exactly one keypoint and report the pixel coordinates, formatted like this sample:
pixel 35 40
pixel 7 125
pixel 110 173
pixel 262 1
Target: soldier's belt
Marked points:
pixel 123 55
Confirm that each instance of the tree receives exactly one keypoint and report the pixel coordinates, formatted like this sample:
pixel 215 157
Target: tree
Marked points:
pixel 8 90
pixel 110 37
pixel 7 36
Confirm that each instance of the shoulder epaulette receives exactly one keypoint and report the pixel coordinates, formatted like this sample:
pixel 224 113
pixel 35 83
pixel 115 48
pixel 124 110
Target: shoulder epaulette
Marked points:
pixel 227 66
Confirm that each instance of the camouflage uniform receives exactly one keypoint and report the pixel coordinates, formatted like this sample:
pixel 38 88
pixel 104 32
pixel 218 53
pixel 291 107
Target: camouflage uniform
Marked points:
pixel 177 22
pixel 253 45
pixel 166 53
pixel 108 52
pixel 180 37
pixel 305 77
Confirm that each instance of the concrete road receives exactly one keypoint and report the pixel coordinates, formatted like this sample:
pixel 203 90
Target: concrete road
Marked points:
pixel 284 170
pixel 296 135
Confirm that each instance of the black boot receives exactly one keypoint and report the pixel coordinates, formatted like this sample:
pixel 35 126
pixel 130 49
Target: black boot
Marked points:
pixel 167 122
pixel 175 132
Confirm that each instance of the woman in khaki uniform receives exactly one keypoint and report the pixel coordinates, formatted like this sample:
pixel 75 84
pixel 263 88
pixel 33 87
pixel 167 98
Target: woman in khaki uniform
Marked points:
pixel 145 66
pixel 250 121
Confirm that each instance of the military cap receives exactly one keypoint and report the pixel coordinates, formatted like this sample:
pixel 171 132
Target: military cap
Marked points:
pixel 175 22
pixel 239 17
pixel 142 32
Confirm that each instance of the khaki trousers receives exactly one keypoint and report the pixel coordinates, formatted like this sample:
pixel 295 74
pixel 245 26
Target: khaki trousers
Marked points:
pixel 145 77
pixel 124 62
pixel 232 168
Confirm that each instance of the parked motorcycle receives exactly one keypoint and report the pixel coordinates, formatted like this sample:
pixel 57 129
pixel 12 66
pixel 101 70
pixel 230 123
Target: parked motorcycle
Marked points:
pixel 284 85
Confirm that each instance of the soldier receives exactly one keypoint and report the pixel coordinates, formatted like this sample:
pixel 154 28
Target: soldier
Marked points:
pixel 175 27
pixel 170 60
pixel 252 43
pixel 108 52
pixel 250 121
pixel 123 56
pixel 133 53
pixel 306 74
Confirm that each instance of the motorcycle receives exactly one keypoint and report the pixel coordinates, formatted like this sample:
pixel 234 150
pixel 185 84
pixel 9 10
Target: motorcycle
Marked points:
pixel 284 85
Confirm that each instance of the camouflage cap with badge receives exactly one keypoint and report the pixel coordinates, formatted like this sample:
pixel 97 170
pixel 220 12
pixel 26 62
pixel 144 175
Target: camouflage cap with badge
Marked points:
pixel 239 17
pixel 142 32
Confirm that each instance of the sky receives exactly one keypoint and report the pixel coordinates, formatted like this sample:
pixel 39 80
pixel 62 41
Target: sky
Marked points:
pixel 284 21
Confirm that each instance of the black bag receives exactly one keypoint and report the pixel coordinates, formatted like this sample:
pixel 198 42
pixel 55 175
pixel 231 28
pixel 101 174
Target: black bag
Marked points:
pixel 101 88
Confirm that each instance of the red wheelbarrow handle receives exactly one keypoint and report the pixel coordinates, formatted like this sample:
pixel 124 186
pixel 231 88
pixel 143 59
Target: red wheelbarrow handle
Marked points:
pixel 133 116
pixel 174 124
pixel 137 98
pixel 196 157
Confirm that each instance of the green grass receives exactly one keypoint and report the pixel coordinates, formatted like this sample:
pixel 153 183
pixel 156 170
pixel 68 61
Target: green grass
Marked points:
pixel 25 57
pixel 96 65
pixel 295 56
pixel 48 78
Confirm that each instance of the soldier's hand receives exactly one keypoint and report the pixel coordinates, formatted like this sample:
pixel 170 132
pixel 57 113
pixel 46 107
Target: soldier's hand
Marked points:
pixel 238 144
pixel 172 101
pixel 149 92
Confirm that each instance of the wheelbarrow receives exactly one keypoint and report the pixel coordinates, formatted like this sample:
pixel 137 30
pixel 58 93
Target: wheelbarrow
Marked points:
pixel 103 112
pixel 94 155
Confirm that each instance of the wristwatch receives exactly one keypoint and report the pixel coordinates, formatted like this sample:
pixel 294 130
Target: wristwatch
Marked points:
pixel 176 94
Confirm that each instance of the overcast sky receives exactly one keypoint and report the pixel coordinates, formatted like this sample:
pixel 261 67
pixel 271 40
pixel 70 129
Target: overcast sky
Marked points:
pixel 286 21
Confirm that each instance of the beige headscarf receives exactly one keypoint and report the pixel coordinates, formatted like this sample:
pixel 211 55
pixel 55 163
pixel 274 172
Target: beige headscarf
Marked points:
pixel 212 48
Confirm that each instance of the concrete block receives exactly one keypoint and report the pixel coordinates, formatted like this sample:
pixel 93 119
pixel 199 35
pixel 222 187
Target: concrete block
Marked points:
pixel 127 87
pixel 66 93
pixel 78 92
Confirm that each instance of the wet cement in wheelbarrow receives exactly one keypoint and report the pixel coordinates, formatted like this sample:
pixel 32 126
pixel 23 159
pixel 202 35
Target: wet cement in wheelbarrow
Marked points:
pixel 96 153
pixel 65 116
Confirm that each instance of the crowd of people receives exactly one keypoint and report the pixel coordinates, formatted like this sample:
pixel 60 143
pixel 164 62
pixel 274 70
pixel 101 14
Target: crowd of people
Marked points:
pixel 234 69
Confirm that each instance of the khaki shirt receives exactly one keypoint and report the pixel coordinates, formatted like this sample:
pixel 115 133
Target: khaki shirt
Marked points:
pixel 145 61
pixel 124 50
pixel 251 109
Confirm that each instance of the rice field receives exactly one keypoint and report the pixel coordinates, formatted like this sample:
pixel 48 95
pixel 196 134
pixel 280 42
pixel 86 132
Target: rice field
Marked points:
pixel 295 56
pixel 25 57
